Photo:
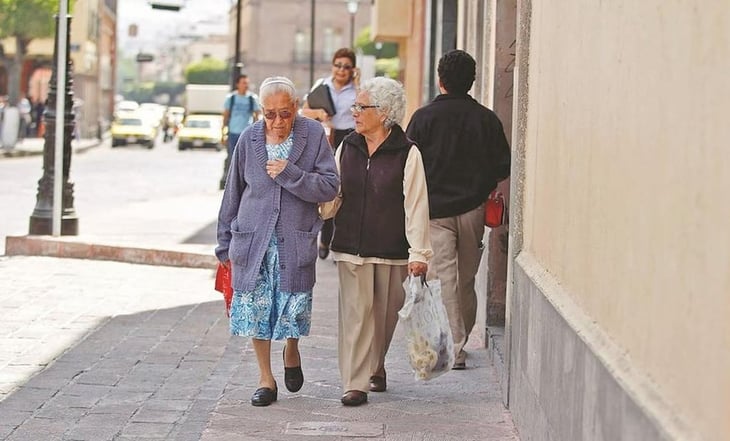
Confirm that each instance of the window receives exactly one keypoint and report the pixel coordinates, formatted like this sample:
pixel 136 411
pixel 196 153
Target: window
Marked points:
pixel 301 51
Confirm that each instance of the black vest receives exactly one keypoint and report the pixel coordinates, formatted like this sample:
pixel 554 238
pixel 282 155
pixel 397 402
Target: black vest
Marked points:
pixel 371 220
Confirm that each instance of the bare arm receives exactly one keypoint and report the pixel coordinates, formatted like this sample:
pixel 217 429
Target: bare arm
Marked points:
pixel 318 114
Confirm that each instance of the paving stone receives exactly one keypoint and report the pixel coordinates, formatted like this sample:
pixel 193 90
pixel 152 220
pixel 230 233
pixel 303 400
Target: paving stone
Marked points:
pixel 39 429
pixel 148 430
pixel 14 417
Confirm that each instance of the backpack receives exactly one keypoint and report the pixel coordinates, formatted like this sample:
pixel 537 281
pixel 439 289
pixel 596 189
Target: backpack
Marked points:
pixel 233 100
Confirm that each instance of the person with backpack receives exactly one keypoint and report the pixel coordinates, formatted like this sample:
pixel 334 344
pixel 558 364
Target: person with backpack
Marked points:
pixel 241 109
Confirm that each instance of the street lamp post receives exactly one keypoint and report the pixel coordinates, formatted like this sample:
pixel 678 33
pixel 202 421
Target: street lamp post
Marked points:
pixel 352 9
pixel 42 219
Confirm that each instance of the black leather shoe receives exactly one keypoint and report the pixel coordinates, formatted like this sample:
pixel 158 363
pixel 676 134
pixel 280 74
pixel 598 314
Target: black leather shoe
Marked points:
pixel 264 396
pixel 377 383
pixel 293 376
pixel 324 251
pixel 354 398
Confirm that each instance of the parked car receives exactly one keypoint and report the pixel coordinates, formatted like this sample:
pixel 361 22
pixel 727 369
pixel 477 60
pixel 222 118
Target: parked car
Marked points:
pixel 204 131
pixel 133 128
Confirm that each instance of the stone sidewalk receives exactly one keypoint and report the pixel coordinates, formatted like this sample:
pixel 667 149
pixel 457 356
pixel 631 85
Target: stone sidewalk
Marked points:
pixel 96 350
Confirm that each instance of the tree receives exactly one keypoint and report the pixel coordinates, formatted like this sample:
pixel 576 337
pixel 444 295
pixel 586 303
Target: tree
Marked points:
pixel 379 50
pixel 387 62
pixel 207 71
pixel 24 20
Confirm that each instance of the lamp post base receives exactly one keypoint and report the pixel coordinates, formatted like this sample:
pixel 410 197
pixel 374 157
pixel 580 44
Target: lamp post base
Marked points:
pixel 43 226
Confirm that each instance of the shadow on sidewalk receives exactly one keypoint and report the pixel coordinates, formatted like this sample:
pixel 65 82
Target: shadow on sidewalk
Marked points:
pixel 143 373
pixel 205 236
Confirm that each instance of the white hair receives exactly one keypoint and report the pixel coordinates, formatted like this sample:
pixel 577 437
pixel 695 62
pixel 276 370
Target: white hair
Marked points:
pixel 389 96
pixel 273 85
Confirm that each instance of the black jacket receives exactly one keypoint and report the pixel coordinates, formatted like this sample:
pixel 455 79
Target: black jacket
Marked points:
pixel 465 152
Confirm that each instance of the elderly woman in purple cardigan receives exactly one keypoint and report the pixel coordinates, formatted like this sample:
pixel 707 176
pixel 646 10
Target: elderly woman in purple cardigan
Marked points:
pixel 282 167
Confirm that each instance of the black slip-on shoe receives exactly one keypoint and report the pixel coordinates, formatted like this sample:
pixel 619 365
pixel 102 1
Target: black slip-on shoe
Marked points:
pixel 264 396
pixel 293 376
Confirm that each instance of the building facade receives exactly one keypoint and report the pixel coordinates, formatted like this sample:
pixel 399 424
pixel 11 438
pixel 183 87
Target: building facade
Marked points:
pixel 93 51
pixel 276 37
pixel 616 306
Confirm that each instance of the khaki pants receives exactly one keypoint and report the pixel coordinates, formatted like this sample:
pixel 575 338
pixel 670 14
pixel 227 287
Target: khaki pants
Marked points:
pixel 370 297
pixel 457 251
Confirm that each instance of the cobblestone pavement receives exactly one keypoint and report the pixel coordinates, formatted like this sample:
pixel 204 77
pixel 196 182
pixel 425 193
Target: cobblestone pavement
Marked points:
pixel 93 350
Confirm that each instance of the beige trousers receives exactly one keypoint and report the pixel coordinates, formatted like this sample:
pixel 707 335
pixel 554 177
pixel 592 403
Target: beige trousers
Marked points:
pixel 457 248
pixel 370 297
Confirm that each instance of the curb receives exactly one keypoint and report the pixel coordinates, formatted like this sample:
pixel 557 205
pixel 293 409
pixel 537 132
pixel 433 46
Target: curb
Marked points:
pixel 22 153
pixel 53 247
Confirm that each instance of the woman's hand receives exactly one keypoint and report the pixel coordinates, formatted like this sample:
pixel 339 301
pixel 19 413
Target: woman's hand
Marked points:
pixel 274 167
pixel 318 114
pixel 417 268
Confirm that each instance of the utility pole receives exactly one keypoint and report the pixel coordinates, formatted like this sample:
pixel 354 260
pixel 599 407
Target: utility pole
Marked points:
pixel 237 65
pixel 311 46
pixel 236 70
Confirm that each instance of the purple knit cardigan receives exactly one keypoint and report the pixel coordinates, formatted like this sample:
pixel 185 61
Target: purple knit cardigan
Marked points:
pixel 255 206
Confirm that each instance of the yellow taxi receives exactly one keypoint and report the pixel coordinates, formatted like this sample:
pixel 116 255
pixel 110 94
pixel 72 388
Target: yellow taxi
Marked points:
pixel 201 131
pixel 133 128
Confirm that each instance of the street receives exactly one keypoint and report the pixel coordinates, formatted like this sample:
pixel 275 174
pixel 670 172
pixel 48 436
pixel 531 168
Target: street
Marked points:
pixel 116 187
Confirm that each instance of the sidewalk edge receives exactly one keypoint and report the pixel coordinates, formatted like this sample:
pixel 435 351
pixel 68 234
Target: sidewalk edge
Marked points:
pixel 19 152
pixel 52 247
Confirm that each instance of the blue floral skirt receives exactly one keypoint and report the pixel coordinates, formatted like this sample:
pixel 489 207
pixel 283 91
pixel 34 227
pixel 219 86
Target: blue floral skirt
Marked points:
pixel 266 313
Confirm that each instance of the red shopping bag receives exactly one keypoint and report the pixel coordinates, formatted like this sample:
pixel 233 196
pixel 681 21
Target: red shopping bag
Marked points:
pixel 223 284
pixel 494 210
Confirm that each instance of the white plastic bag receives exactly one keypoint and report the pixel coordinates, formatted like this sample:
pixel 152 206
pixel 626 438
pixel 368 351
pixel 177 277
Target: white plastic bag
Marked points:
pixel 428 335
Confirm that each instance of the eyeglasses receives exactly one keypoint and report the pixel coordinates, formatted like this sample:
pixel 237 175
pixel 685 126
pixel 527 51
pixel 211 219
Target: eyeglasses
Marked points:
pixel 283 114
pixel 342 66
pixel 358 108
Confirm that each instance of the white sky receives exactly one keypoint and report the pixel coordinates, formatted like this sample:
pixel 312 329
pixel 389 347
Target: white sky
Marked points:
pixel 157 28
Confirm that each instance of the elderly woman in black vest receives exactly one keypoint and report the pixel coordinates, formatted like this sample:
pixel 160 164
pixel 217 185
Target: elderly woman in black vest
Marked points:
pixel 381 234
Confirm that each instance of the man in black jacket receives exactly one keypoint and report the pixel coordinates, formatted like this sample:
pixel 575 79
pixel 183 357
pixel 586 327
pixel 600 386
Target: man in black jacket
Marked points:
pixel 465 153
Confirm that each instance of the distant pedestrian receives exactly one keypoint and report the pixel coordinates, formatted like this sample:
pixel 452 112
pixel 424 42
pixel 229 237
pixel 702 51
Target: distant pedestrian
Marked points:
pixel 381 234
pixel 38 110
pixel 268 222
pixel 465 153
pixel 240 109
pixel 342 85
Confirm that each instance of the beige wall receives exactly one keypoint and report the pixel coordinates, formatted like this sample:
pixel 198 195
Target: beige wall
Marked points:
pixel 403 22
pixel 626 201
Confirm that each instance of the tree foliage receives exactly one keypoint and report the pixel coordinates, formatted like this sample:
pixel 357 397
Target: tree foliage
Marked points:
pixel 380 50
pixel 207 71
pixel 25 20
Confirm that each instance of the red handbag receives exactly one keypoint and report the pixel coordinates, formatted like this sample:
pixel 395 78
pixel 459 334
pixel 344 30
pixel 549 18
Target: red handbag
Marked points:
pixel 223 284
pixel 494 210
